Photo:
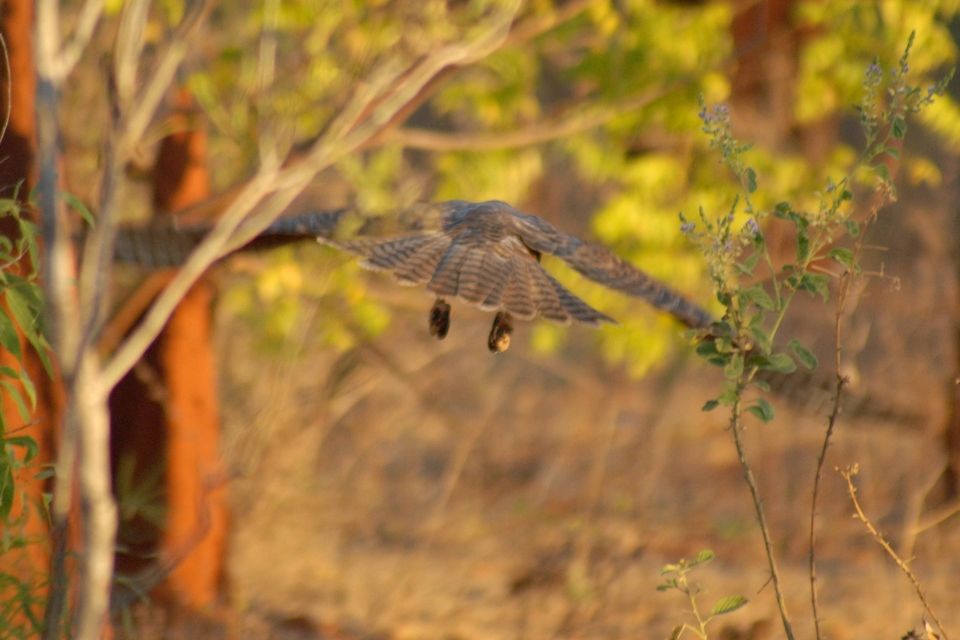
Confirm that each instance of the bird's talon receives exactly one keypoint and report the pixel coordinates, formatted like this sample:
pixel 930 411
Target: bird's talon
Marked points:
pixel 440 319
pixel 499 340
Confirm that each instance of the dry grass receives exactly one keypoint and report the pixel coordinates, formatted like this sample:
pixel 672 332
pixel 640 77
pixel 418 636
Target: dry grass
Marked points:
pixel 440 492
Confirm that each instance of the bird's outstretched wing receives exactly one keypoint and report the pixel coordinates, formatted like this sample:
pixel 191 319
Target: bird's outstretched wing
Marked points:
pixel 601 265
pixel 485 253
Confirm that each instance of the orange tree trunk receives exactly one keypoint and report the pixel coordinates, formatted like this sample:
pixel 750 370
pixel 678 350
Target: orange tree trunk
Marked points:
pixel 28 564
pixel 165 414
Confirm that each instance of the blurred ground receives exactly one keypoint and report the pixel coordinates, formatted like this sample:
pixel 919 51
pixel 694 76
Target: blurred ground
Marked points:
pixel 422 489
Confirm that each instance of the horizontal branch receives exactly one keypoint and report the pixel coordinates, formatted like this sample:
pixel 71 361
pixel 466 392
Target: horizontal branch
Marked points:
pixel 555 128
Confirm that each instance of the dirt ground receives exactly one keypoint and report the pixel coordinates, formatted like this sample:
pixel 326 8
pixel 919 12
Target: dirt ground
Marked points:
pixel 414 489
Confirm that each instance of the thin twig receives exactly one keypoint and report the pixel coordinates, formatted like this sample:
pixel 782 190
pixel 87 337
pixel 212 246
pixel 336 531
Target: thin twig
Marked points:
pixel 735 428
pixel 73 48
pixel 543 131
pixel 848 474
pixel 936 517
pixel 9 78
pixel 160 78
pixel 127 48
pixel 831 424
pixel 841 381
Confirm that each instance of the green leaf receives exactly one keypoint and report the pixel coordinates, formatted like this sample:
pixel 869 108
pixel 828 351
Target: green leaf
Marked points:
pixel 28 239
pixel 781 209
pixel 78 205
pixel 882 171
pixel 24 380
pixel 762 409
pixel 6 487
pixel 853 227
pixel 804 355
pixel 898 127
pixel 19 307
pixel 728 604
pixel 843 255
pixel 751 180
pixel 758 296
pixel 24 304
pixel 710 405
pixel 759 334
pixel 728 396
pixel 780 362
pixel 814 283
pixel 9 339
pixel 803 245
pixel 893 152
pixel 734 367
pixel 708 351
pixel 25 442
pixel 748 264
pixel 14 394
pixel 705 555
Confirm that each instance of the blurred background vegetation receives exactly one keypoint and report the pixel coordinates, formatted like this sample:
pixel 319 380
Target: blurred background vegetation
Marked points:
pixel 415 489
pixel 587 115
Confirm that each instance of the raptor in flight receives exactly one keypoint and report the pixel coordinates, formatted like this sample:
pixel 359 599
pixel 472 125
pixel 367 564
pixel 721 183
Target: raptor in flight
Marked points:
pixel 485 253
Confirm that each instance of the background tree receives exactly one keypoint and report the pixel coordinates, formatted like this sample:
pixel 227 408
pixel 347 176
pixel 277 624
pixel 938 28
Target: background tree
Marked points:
pixel 559 108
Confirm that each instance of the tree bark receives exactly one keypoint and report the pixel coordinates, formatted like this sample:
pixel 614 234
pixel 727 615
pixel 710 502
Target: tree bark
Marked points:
pixel 165 412
pixel 18 171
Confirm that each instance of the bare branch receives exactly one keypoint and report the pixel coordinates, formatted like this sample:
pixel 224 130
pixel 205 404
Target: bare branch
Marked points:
pixel 86 23
pixel 209 250
pixel 841 381
pixel 129 45
pixel 533 27
pixel 848 474
pixel 266 70
pixel 544 131
pixel 58 59
pixel 145 106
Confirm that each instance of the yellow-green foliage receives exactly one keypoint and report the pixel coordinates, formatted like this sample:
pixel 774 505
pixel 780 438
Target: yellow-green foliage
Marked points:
pixel 640 64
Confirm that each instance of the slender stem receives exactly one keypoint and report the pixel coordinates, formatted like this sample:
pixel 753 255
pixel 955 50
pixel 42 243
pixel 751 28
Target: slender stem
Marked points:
pixel 735 428
pixel 831 423
pixel 701 623
pixel 848 475
pixel 842 296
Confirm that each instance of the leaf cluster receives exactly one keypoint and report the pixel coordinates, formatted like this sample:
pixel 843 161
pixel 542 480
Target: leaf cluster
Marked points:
pixel 21 307
pixel 677 578
pixel 744 341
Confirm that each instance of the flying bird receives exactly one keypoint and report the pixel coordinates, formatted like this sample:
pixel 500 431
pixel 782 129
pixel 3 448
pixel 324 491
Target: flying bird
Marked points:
pixel 484 253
